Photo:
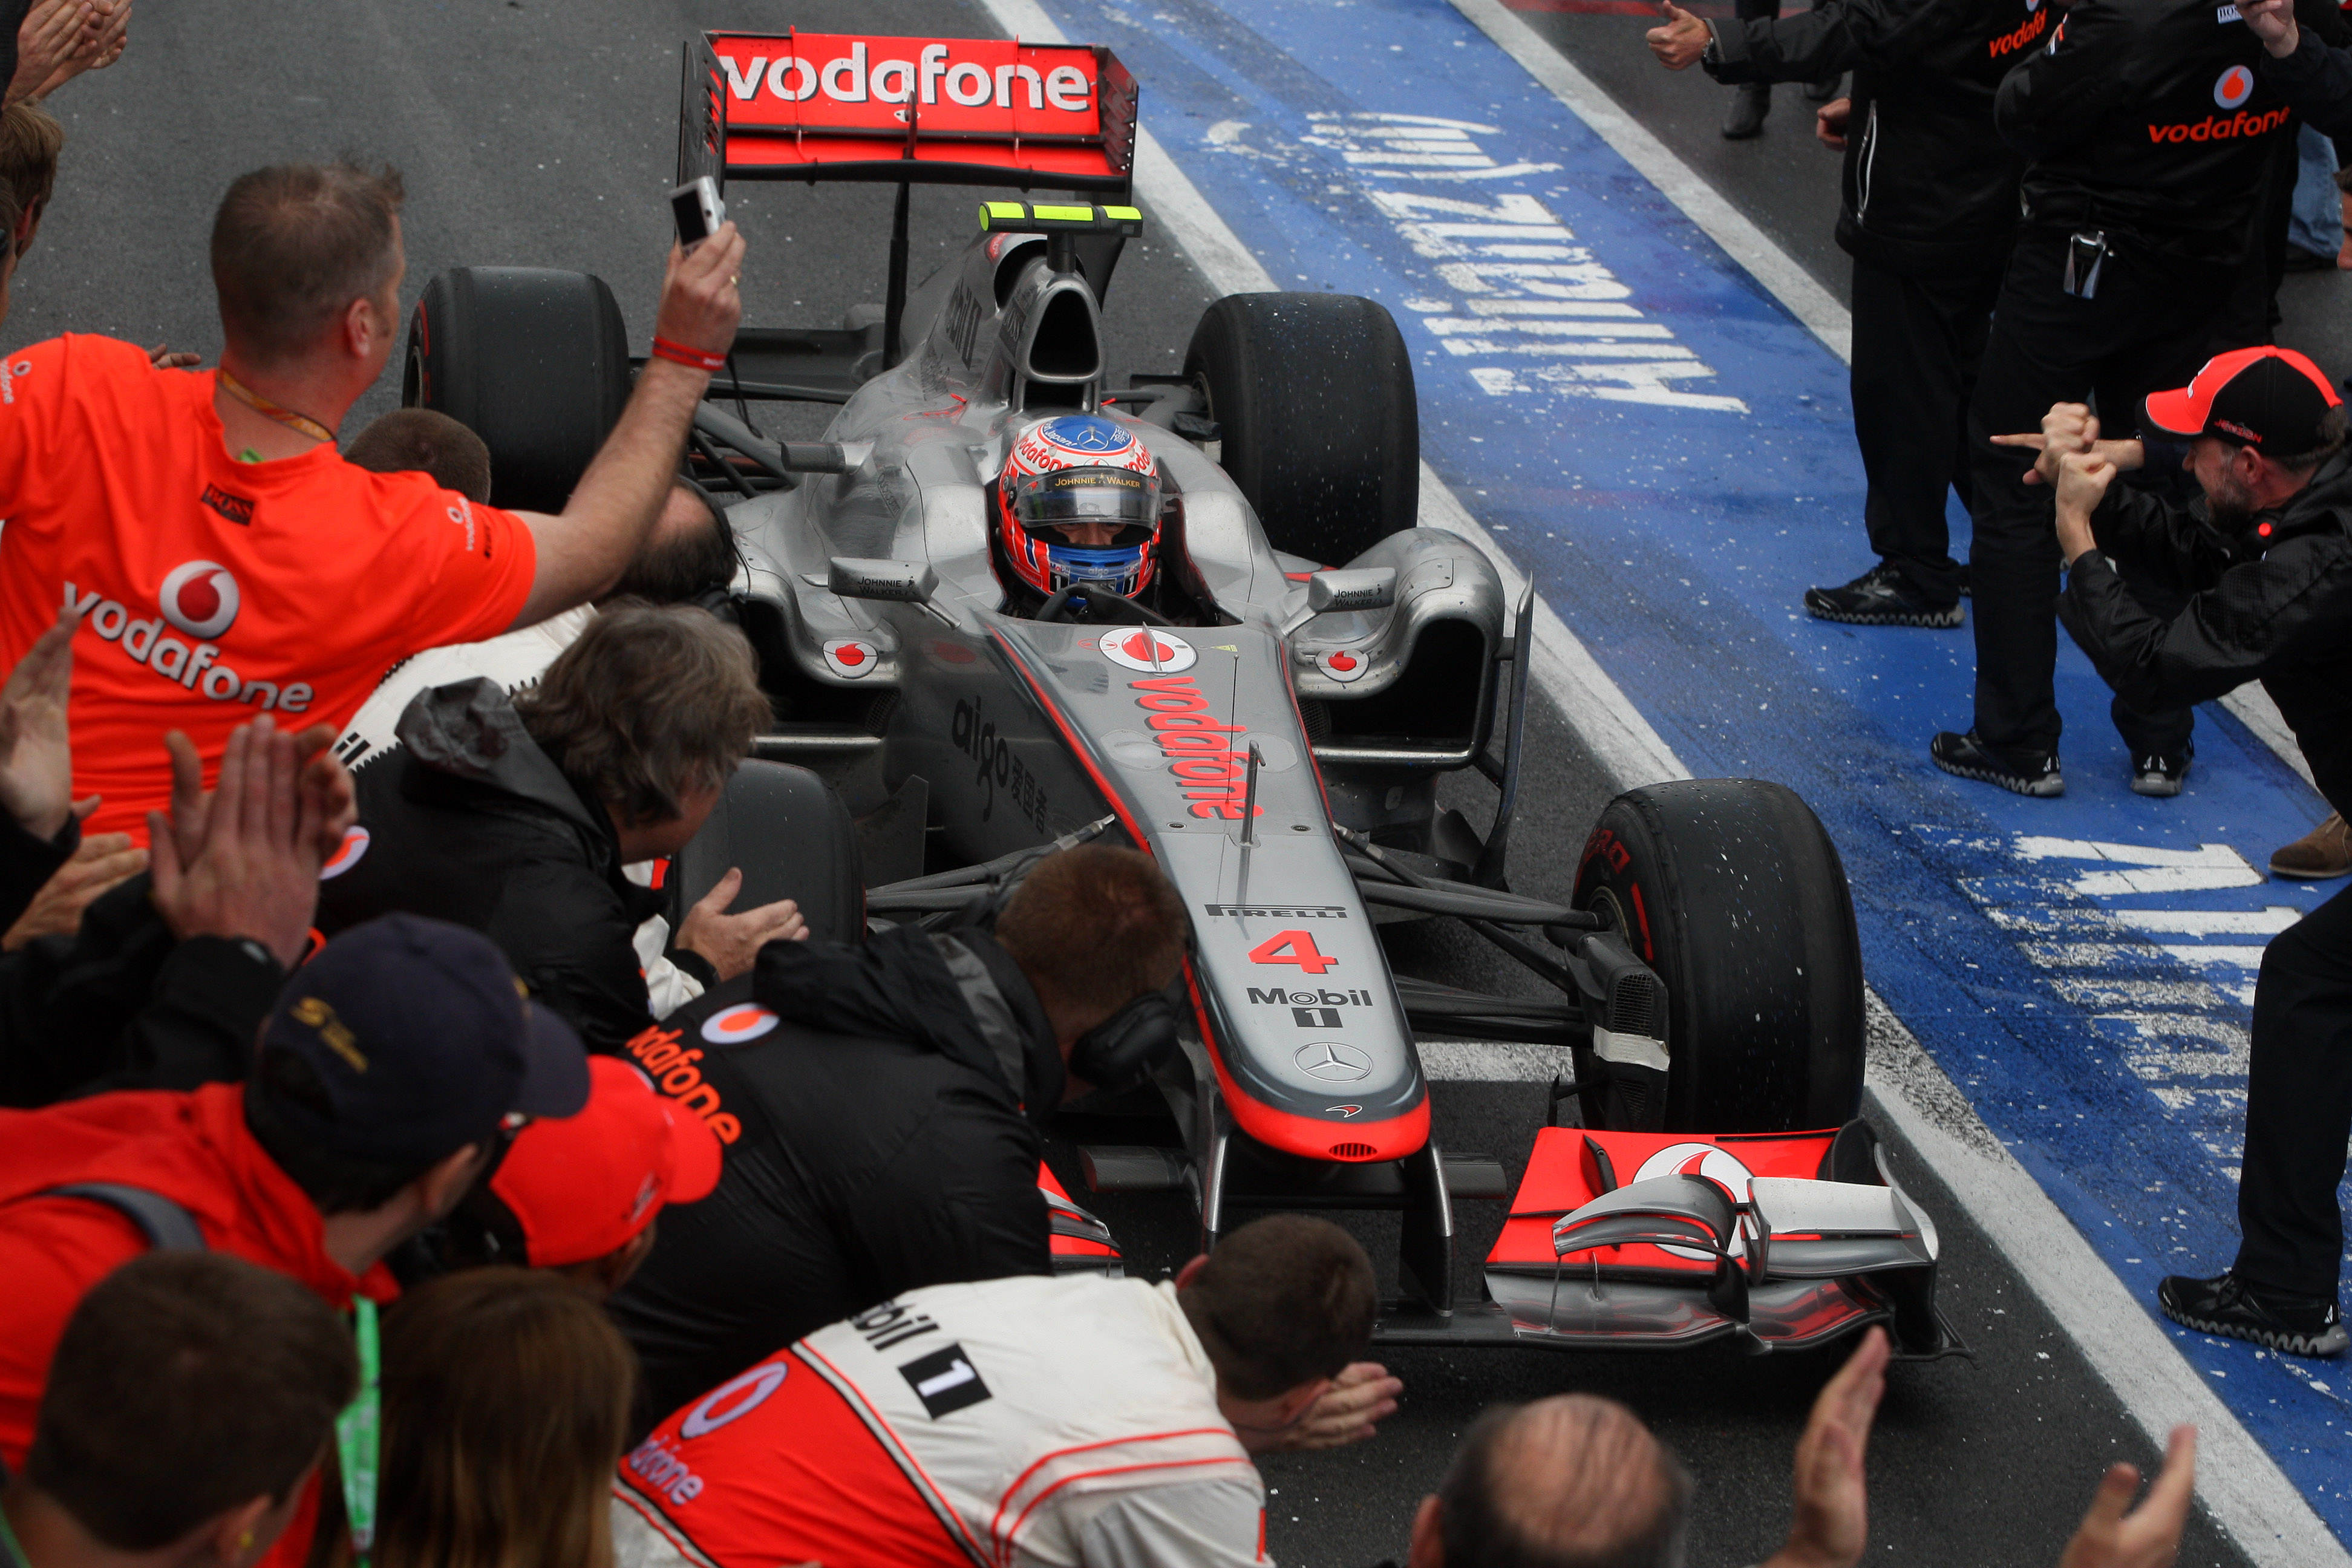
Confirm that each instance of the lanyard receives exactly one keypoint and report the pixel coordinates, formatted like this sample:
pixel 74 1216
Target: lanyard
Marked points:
pixel 359 1435
pixel 300 424
pixel 12 1551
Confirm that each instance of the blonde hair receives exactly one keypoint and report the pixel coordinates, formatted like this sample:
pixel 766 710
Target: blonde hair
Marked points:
pixel 507 1395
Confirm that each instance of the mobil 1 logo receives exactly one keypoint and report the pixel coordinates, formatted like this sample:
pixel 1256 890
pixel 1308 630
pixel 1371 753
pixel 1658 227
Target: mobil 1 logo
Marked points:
pixel 1311 1009
pixel 945 1381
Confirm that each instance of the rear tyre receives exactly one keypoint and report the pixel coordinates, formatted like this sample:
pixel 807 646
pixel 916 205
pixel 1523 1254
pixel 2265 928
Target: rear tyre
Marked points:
pixel 535 362
pixel 1731 890
pixel 1313 397
pixel 791 838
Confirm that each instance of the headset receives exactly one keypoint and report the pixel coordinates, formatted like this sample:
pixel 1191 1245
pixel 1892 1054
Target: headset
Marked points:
pixel 1123 1050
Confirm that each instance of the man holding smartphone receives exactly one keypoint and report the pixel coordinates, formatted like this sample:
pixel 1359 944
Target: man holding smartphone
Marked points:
pixel 226 559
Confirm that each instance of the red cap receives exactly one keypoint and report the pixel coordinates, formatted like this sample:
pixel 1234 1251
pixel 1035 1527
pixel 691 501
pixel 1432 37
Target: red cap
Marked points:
pixel 583 1186
pixel 2267 398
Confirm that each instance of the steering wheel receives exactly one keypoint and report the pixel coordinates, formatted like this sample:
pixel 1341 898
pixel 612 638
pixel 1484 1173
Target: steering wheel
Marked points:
pixel 1086 601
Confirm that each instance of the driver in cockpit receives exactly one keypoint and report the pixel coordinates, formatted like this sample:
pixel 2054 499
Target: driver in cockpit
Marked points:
pixel 1078 506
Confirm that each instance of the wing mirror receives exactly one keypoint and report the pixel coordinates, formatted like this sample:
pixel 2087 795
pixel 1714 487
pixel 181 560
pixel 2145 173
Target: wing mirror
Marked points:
pixel 1361 588
pixel 862 577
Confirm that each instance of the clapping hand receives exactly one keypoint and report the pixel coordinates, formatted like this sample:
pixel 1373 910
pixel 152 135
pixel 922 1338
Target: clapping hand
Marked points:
pixel 1362 1394
pixel 36 759
pixel 1833 1523
pixel 2150 1537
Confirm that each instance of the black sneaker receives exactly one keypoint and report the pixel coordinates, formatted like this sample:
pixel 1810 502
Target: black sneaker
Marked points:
pixel 1881 597
pixel 2159 774
pixel 2022 773
pixel 2297 1325
pixel 1750 103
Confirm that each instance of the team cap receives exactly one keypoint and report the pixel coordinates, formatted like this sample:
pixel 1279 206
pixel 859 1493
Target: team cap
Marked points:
pixel 582 1187
pixel 2271 399
pixel 420 1041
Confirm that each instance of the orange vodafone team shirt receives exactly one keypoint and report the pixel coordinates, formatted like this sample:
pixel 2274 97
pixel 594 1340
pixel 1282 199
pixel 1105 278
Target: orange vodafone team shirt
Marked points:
pixel 212 590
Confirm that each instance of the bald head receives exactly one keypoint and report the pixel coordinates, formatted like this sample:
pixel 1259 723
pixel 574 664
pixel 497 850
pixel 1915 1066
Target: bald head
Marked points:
pixel 1573 1481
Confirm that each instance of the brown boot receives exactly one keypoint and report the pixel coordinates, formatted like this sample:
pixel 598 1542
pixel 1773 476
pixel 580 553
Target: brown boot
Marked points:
pixel 2323 852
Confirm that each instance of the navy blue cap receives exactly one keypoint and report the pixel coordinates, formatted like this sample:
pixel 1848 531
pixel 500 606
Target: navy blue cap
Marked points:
pixel 423 1041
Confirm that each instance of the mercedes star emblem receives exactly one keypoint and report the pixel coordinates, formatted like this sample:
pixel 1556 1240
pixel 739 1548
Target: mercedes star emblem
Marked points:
pixel 1333 1062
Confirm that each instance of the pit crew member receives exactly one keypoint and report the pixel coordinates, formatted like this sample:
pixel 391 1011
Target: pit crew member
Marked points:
pixel 226 560
pixel 882 1102
pixel 2264 563
pixel 1077 504
pixel 515 816
pixel 1107 1422
pixel 1928 212
pixel 2150 142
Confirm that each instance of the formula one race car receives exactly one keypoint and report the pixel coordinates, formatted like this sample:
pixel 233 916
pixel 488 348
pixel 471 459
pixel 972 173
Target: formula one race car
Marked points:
pixel 1008 605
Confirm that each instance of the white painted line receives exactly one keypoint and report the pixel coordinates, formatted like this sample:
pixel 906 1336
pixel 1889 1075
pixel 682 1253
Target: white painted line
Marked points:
pixel 2243 1488
pixel 1721 222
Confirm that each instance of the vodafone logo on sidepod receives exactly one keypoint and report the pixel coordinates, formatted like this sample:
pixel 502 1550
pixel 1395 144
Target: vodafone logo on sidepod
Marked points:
pixel 1341 665
pixel 850 657
pixel 1147 647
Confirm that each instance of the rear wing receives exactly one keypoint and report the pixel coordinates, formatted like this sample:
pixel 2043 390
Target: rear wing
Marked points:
pixel 956 111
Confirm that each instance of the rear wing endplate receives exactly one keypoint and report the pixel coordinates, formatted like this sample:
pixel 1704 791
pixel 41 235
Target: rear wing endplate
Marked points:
pixel 954 112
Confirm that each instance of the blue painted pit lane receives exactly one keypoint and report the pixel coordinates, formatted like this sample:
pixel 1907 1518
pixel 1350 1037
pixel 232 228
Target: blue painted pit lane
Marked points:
pixel 1669 453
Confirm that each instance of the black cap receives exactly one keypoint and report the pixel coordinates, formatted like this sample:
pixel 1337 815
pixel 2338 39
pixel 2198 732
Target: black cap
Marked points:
pixel 422 1040
pixel 2268 398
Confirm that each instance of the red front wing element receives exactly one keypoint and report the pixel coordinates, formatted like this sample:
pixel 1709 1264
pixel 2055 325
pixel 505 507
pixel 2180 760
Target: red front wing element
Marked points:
pixel 843 106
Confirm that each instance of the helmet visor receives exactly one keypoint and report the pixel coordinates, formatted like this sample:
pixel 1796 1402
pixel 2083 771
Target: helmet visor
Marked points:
pixel 1119 497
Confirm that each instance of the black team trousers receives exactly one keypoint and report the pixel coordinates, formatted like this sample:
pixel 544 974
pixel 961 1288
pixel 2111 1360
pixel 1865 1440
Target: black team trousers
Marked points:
pixel 2299 1107
pixel 1918 341
pixel 2153 322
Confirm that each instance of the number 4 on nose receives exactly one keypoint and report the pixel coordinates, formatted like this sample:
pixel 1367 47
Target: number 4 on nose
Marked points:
pixel 1292 947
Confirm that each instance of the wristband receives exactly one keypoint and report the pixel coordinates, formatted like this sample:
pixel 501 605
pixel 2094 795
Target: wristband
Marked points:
pixel 693 359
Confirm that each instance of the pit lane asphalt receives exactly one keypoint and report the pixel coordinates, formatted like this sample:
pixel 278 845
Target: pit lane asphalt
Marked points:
pixel 538 134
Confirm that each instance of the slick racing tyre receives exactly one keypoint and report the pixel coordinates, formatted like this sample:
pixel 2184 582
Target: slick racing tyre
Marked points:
pixel 791 838
pixel 1313 397
pixel 1732 892
pixel 534 361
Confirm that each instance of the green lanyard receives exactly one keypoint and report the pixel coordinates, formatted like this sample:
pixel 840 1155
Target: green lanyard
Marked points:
pixel 359 1435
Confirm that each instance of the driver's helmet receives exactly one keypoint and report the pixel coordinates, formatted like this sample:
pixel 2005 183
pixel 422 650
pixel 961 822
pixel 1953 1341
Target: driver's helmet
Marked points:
pixel 1068 480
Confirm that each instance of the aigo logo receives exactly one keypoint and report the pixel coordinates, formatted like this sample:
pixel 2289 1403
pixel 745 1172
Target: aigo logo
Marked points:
pixel 2236 85
pixel 1148 648
pixel 200 597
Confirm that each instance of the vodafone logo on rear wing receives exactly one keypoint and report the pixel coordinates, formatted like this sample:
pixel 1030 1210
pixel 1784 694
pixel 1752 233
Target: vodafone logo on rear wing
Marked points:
pixel 847 82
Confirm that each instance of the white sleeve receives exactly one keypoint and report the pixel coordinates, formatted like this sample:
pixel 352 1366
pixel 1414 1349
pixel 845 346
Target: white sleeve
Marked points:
pixel 637 1544
pixel 668 987
pixel 1214 1523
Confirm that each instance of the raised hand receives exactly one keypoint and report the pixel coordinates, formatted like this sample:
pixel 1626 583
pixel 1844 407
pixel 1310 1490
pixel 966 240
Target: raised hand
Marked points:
pixel 255 871
pixel 1833 1523
pixel 1679 44
pixel 36 757
pixel 700 304
pixel 2149 1537
pixel 104 861
pixel 2272 21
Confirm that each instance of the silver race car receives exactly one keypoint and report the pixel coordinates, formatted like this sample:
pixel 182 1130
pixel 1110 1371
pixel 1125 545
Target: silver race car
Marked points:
pixel 1009 604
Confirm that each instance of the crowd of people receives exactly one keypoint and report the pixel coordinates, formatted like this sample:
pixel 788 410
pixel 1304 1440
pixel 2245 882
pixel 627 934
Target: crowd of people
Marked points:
pixel 356 1204
pixel 2068 229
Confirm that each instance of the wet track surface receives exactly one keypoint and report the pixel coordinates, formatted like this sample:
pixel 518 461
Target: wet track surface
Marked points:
pixel 543 134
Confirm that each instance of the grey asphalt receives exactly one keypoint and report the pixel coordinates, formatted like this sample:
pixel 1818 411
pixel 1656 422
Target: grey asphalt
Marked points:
pixel 534 132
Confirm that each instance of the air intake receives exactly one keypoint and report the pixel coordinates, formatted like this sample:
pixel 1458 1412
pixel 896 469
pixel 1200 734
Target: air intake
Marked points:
pixel 1352 1150
pixel 1634 1005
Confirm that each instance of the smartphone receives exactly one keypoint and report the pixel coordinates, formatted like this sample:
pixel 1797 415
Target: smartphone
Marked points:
pixel 700 210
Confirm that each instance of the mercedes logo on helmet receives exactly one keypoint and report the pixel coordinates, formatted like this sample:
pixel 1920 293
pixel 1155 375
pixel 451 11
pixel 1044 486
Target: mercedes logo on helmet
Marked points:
pixel 1333 1062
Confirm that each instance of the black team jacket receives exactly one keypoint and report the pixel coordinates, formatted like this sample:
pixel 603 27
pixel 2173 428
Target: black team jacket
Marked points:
pixel 470 822
pixel 2273 608
pixel 874 1143
pixel 1930 186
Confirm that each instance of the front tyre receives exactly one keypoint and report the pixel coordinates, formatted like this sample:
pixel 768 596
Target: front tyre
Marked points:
pixel 1313 402
pixel 1732 892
